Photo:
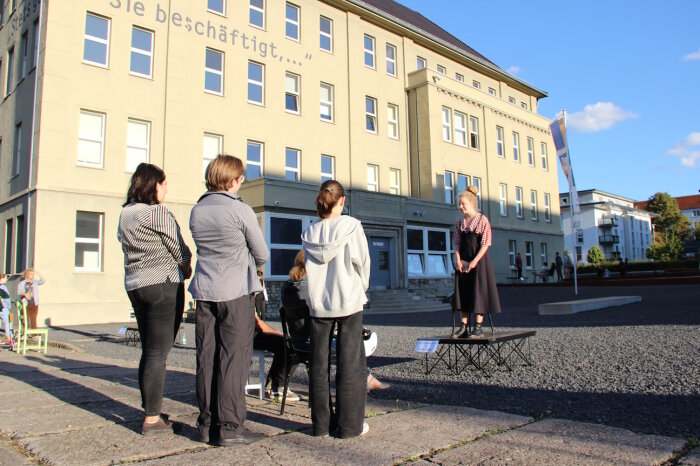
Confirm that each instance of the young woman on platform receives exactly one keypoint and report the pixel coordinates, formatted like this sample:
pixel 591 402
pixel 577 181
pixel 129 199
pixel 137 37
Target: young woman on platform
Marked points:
pixel 475 283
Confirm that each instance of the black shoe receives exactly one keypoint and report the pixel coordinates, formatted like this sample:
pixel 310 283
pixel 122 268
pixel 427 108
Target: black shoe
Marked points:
pixel 462 332
pixel 207 434
pixel 478 331
pixel 161 426
pixel 245 437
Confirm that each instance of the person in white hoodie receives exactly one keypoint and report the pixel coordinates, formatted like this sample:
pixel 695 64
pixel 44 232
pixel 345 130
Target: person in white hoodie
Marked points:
pixel 337 268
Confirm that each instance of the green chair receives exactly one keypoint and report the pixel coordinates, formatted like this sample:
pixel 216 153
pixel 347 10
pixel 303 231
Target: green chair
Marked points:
pixel 23 331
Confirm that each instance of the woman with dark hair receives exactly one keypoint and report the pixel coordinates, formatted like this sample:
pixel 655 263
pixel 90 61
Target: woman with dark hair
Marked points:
pixel 337 269
pixel 156 263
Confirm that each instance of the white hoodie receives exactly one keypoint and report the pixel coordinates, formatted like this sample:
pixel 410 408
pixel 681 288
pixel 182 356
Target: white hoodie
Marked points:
pixel 337 266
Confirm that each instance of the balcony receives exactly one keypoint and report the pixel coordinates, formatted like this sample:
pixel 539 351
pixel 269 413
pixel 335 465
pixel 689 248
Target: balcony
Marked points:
pixel 607 222
pixel 608 239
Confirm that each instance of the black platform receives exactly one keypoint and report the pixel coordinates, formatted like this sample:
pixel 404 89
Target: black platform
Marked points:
pixel 485 353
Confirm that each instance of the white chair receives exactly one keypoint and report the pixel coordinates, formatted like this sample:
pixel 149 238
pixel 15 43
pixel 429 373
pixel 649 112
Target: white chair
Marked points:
pixel 260 386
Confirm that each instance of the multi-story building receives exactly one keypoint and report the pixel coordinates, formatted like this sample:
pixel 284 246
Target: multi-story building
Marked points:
pixel 367 92
pixel 688 205
pixel 608 221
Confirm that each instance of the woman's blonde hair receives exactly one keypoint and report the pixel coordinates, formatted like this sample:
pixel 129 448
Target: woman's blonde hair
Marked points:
pixel 221 171
pixel 26 271
pixel 470 193
pixel 298 270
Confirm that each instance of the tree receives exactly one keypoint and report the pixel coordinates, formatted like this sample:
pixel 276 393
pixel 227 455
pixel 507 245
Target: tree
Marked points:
pixel 670 218
pixel 594 256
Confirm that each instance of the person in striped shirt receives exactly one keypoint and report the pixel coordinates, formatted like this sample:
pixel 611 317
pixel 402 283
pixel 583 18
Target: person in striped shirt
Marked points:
pixel 156 263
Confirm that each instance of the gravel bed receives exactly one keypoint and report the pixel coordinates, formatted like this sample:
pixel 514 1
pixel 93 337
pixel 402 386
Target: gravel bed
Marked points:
pixel 636 366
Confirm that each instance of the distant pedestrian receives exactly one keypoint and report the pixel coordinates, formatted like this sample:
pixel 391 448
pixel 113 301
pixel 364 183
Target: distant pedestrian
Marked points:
pixel 28 290
pixel 559 264
pixel 6 306
pixel 568 266
pixel 519 266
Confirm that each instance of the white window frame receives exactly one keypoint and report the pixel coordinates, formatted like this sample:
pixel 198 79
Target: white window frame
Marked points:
pixel 10 71
pixel 492 91
pixel 543 154
pixel 500 145
pixel 395 181
pixel 461 187
pixel 503 199
pixel 543 253
pixel 523 105
pixel 259 164
pixel 372 177
pixel 99 40
pixel 420 60
pixel 392 121
pixel 516 146
pixel 529 253
pixel 476 84
pixel 288 20
pixel 459 77
pixel 371 116
pixel 474 132
pixel 265 218
pixel 100 140
pixel 519 202
pixel 98 241
pixel 223 9
pixel 511 100
pixel 530 151
pixel 146 147
pixel 17 152
pixel 512 251
pixel 371 52
pixel 35 57
pixel 296 170
pixel 425 253
pixel 441 69
pixel 219 73
pixel 449 187
pixel 327 175
pixel 261 11
pixel 325 34
pixel 476 181
pixel 533 204
pixel 547 208
pixel 296 94
pixel 207 158
pixel 257 83
pixel 446 124
pixel 327 103
pixel 460 130
pixel 149 54
pixel 391 62
pixel 24 50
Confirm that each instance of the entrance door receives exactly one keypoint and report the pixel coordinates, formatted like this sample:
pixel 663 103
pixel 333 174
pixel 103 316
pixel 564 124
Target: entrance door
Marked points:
pixel 380 254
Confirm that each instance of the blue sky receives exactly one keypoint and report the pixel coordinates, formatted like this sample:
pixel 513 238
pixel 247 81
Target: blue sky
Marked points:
pixel 627 73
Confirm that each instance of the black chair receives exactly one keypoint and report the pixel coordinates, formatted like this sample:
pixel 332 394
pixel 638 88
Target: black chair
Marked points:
pixel 293 354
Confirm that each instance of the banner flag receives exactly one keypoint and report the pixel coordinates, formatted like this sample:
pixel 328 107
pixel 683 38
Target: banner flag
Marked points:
pixel 558 128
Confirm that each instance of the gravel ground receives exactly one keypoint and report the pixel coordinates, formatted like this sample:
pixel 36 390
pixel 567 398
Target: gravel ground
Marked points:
pixel 636 366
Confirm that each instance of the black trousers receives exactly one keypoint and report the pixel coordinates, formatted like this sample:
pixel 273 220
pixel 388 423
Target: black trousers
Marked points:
pixel 350 381
pixel 275 344
pixel 224 338
pixel 158 310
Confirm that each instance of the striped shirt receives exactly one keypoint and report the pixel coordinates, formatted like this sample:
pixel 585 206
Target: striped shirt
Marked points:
pixel 152 244
pixel 479 224
pixel 230 247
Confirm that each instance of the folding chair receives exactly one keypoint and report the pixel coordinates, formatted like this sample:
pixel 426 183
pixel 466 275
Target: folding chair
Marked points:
pixel 260 355
pixel 292 354
pixel 24 331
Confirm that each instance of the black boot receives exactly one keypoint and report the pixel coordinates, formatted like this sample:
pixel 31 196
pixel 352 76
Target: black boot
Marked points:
pixel 461 332
pixel 478 332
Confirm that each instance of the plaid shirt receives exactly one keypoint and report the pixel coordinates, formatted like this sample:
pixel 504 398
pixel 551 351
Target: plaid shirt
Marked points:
pixel 479 225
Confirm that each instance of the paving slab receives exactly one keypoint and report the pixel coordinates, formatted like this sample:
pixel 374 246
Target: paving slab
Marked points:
pixel 583 305
pixel 9 456
pixel 691 459
pixel 557 441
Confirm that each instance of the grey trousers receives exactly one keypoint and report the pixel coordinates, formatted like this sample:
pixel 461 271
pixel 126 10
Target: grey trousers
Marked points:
pixel 224 338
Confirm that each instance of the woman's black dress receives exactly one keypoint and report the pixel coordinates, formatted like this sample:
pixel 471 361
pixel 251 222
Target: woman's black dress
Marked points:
pixel 475 291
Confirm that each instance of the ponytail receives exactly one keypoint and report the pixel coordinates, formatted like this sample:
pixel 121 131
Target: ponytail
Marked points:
pixel 328 196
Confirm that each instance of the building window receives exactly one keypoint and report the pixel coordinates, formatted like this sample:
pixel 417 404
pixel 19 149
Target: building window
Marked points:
pixel 256 83
pixel 428 252
pixel 462 183
pixel 473 132
pixel 91 136
pixel 88 241
pixel 292 159
pixel 547 208
pixel 372 177
pixel 393 121
pixel 390 60
pixel 138 147
pixel 10 73
pixel 141 52
pixel 512 250
pixel 371 115
pixel 421 63
pixel 476 84
pixel 291 93
pixel 9 232
pixel 531 152
pixel 543 150
pixel 20 245
pixel 529 251
pixel 579 235
pixel 17 153
pixel 446 124
pixel 217 6
pixel 395 181
pixel 441 69
pixel 516 146
pixel 459 77
pixel 477 182
pixel 511 100
pixel 500 151
pixel 519 202
pixel 543 253
pixel 254 160
pixel 291 22
pixel 369 51
pixel 24 50
pixel 327 168
pixel 96 47
pixel 213 145
pixel 35 54
pixel 326 102
pixel 326 34
pixel 285 242
pixel 492 91
pixel 523 105
pixel 257 13
pixel 503 199
pixel 578 253
pixel 449 188
pixel 214 72
pixel 533 204
pixel 460 128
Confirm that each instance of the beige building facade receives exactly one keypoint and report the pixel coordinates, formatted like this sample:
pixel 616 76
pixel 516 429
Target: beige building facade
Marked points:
pixel 367 92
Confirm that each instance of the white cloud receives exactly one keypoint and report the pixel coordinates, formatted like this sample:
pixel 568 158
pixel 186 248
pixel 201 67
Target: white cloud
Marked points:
pixel 688 151
pixel 597 117
pixel 692 56
pixel 515 69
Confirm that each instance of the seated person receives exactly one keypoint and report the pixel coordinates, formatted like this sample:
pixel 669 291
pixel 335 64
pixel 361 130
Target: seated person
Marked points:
pixel 543 273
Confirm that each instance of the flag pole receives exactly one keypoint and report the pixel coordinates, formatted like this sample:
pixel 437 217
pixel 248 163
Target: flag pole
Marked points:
pixel 573 231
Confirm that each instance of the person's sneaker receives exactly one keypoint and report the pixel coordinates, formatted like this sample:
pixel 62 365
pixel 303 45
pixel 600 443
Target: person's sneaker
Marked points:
pixel 161 426
pixel 245 437
pixel 478 331
pixel 365 428
pixel 462 332
pixel 276 395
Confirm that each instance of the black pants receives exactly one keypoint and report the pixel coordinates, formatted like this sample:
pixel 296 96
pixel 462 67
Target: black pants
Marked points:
pixel 351 376
pixel 275 344
pixel 224 337
pixel 158 310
